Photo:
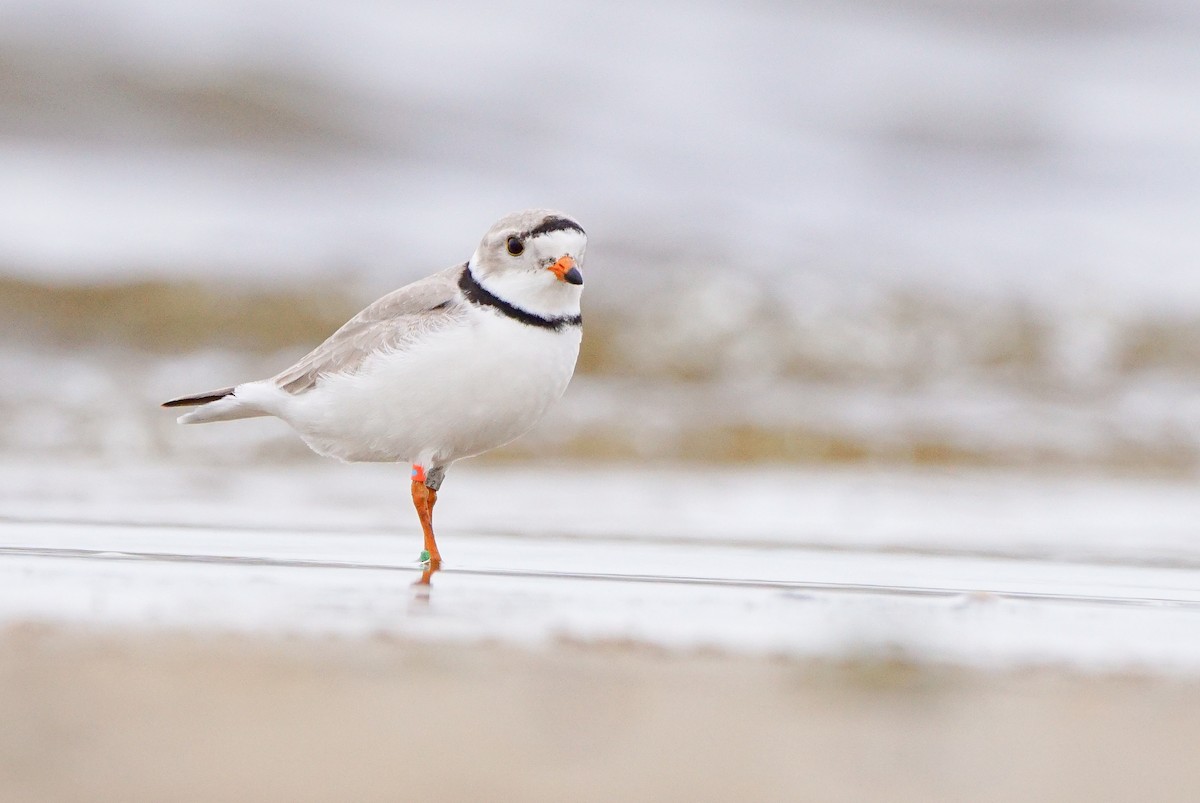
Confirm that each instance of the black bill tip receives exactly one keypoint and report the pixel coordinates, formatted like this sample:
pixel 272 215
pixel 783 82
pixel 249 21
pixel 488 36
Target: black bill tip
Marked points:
pixel 573 276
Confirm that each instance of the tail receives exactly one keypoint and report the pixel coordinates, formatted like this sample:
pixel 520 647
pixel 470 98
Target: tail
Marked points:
pixel 216 405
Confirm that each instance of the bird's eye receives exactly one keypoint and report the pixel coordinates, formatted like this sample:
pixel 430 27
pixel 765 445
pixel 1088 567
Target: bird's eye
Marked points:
pixel 515 246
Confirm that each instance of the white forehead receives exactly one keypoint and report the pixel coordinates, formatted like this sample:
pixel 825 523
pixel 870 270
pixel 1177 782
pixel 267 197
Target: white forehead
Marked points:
pixel 563 241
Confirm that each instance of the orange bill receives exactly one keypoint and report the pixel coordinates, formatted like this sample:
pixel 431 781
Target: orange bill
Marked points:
pixel 566 271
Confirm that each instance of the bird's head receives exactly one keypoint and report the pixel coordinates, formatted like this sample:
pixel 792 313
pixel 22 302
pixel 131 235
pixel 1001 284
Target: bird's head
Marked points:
pixel 537 249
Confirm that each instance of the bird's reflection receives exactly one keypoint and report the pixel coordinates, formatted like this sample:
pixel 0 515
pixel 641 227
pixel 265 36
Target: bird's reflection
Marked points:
pixel 424 584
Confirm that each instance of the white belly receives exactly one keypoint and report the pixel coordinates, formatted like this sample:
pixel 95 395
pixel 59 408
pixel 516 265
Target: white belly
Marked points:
pixel 463 391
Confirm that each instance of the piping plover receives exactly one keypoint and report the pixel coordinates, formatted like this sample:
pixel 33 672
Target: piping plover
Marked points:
pixel 447 367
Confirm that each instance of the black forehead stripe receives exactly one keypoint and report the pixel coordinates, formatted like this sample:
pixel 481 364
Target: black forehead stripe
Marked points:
pixel 554 224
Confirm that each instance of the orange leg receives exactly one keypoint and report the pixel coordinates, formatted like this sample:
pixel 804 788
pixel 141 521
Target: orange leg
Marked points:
pixel 424 498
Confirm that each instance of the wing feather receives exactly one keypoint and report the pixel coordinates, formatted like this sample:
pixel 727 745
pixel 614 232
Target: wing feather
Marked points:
pixel 393 323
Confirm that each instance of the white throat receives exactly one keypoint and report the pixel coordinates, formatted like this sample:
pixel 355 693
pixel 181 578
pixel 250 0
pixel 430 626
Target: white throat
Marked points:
pixel 542 295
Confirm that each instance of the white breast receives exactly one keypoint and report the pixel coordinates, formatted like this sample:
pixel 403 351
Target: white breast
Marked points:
pixel 462 391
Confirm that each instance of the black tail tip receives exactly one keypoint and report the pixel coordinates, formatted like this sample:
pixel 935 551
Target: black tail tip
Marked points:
pixel 204 398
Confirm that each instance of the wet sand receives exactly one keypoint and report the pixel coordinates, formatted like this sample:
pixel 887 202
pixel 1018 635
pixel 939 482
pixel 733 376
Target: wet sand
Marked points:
pixel 152 717
pixel 231 634
pixel 983 571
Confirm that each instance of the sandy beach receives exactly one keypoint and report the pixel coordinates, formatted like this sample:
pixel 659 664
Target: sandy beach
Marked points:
pixel 877 479
pixel 245 634
pixel 151 717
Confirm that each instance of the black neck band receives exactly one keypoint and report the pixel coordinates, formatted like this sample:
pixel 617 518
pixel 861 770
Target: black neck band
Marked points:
pixel 478 294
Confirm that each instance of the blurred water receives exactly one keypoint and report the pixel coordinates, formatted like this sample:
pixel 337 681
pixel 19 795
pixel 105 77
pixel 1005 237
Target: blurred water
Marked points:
pixel 958 229
pixel 982 569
